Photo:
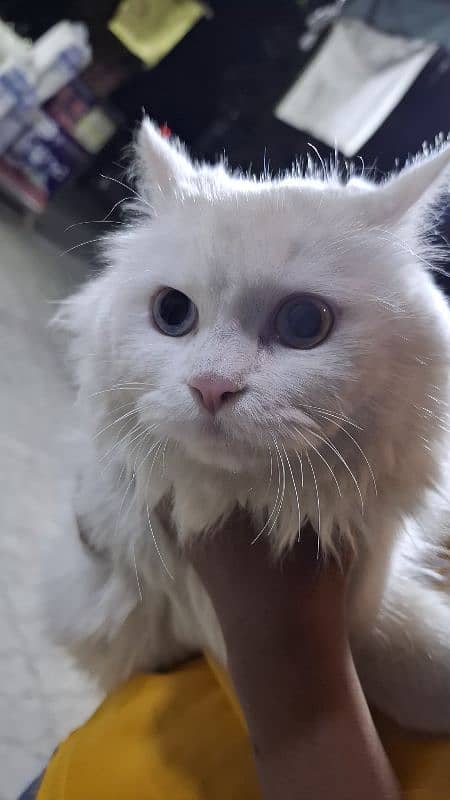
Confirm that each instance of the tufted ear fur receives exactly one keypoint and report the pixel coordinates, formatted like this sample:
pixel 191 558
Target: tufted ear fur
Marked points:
pixel 162 168
pixel 411 196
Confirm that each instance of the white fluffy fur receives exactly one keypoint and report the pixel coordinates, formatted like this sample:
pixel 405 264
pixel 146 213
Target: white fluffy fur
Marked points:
pixel 366 411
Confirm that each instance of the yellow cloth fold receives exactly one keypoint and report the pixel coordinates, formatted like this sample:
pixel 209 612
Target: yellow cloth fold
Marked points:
pixel 151 28
pixel 181 736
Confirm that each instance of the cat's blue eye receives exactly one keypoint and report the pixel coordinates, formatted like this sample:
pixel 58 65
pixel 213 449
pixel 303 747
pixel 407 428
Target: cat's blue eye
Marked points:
pixel 303 321
pixel 173 312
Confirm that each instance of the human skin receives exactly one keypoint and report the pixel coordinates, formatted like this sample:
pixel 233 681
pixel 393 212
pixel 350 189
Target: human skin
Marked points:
pixel 286 634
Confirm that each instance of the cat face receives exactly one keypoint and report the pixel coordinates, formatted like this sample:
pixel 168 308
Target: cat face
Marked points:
pixel 243 316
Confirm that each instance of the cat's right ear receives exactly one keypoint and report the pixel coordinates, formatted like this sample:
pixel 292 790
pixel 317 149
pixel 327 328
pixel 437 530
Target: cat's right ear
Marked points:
pixel 409 197
pixel 162 168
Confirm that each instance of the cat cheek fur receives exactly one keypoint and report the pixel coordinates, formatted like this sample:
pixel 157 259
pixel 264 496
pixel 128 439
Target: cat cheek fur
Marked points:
pixel 350 434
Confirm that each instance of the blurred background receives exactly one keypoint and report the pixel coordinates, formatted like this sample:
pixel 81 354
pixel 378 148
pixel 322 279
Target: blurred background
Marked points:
pixel 364 83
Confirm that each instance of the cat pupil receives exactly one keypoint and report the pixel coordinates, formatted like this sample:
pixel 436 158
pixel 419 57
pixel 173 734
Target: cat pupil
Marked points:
pixel 174 308
pixel 304 319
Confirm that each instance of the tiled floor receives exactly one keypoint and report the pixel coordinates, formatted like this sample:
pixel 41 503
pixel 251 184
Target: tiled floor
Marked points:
pixel 42 696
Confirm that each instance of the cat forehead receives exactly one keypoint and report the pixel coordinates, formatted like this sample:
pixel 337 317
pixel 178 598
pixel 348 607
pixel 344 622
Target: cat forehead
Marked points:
pixel 264 225
pixel 274 236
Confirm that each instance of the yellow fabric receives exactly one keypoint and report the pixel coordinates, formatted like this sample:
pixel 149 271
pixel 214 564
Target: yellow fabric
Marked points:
pixel 181 736
pixel 151 28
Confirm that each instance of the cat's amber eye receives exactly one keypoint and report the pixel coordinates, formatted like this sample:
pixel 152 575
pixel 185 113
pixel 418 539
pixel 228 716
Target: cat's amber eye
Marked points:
pixel 173 312
pixel 303 321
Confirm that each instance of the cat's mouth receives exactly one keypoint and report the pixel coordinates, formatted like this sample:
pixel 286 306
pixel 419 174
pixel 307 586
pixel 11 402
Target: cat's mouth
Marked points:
pixel 210 441
pixel 204 431
pixel 212 427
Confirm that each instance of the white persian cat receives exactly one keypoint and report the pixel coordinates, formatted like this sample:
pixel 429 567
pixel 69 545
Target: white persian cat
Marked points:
pixel 278 345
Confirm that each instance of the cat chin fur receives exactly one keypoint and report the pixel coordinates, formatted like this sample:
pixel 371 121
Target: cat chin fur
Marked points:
pixel 133 601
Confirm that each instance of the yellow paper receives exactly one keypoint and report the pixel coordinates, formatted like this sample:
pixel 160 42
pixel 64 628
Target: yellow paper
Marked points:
pixel 93 130
pixel 151 28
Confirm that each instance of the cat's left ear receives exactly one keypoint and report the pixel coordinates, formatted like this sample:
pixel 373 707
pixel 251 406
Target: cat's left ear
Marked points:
pixel 162 166
pixel 410 196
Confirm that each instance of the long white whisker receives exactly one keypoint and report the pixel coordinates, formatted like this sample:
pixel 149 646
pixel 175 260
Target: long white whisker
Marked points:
pixel 128 188
pixel 137 575
pixel 147 432
pixel 104 219
pixel 163 562
pixel 119 441
pixel 115 422
pixel 299 458
pixel 360 450
pixel 317 492
pixel 164 456
pixel 295 489
pixel 80 244
pixel 341 458
pixel 111 411
pixel 267 523
pixel 283 489
pixel 319 454
pixel 142 435
pixel 341 417
pixel 132 386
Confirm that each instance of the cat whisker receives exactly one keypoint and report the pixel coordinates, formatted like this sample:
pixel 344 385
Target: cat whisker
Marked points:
pixel 81 244
pixel 137 575
pixel 442 424
pixel 404 246
pixel 128 188
pixel 163 470
pixel 319 454
pixel 271 466
pixel 135 469
pixel 428 412
pixel 341 417
pixel 150 526
pixel 115 422
pixel 358 447
pixel 300 461
pixel 132 386
pixel 294 485
pixel 269 450
pixel 283 490
pixel 142 436
pixel 341 458
pixel 105 218
pixel 317 492
pixel 120 440
pixel 437 400
pixel 153 447
pixel 95 222
pixel 146 431
pixel 427 443
pixel 267 523
pixel 114 410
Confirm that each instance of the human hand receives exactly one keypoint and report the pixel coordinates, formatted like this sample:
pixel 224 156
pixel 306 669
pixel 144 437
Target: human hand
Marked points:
pixel 260 601
pixel 285 630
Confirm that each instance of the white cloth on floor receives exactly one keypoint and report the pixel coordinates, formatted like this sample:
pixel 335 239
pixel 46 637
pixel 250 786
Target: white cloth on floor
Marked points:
pixel 353 83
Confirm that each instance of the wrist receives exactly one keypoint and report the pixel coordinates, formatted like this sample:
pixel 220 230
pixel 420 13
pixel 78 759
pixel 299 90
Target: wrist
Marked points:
pixel 305 638
pixel 285 690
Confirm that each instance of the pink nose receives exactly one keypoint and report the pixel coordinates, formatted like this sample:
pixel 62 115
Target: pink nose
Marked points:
pixel 213 391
